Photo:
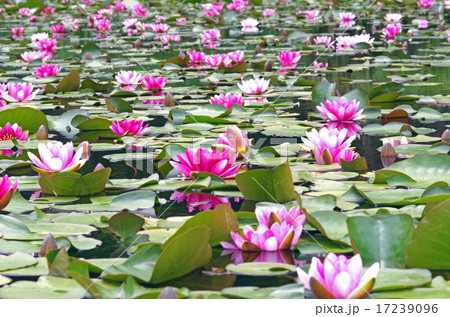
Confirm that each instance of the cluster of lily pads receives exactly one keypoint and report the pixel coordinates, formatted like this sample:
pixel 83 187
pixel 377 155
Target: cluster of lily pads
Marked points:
pixel 238 149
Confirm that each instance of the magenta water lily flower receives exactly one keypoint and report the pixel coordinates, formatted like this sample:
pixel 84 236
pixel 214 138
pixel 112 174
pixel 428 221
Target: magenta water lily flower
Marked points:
pixel 132 26
pixel 319 65
pixel 167 38
pixel 17 31
pixel 234 140
pixel 392 29
pixel 25 12
pixel 37 37
pixel 158 27
pixel 329 145
pixel 311 15
pixel 57 29
pixel 57 157
pixel 278 229
pixel 425 3
pixel 154 84
pixel 7 191
pixel 181 21
pixel 289 58
pixel 227 100
pixel 254 86
pixel 125 127
pixel 204 160
pixel 128 80
pixel 9 132
pixel 351 127
pixel 422 24
pixel 210 36
pixel 21 92
pixel 339 278
pixel 196 59
pixel 47 46
pixel 326 40
pixel 341 110
pixel 139 10
pixel 47 70
pixel 212 9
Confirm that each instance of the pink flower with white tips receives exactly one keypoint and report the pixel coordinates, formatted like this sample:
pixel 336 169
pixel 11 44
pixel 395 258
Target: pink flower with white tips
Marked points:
pixel 213 9
pixel 425 3
pixel 71 24
pixel 392 29
pixel 341 110
pixel 167 38
pixel 249 25
pixel 154 84
pixel 254 86
pixel 9 132
pixel 278 229
pixel 289 58
pixel 196 59
pixel 268 12
pixel 7 191
pixel 181 21
pixel 158 27
pixel 25 12
pixel 120 7
pixel 326 40
pixel 125 127
pixel 209 36
pixel 422 24
pixel 21 92
pixel 339 278
pixel 203 160
pixel 132 26
pixel 47 46
pixel 32 55
pixel 227 100
pixel 57 157
pixel 346 19
pixel 47 70
pixel 128 80
pixel 329 145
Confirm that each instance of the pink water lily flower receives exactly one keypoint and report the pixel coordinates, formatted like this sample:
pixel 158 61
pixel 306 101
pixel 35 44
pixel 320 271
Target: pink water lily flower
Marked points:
pixel 346 19
pixel 139 10
pixel 7 191
pixel 25 12
pixel 21 92
pixel 9 132
pixel 18 31
pixel 47 46
pixel 278 229
pixel 268 12
pixel 71 24
pixel 128 80
pixel 212 9
pixel 318 65
pixel 58 30
pixel 227 100
pixel 393 141
pixel 125 127
pixel 32 55
pixel 425 3
pixel 154 84
pixel 329 145
pixel 393 17
pixel 167 38
pixel 210 36
pixel 203 160
pixel 158 27
pixel 132 26
pixel 196 59
pixel 351 127
pixel 339 278
pixel 102 26
pixel 341 110
pixel 311 15
pixel 422 24
pixel 249 25
pixel 234 140
pixel 57 157
pixel 289 58
pixel 326 40
pixel 392 29
pixel 254 86
pixel 47 70
pixel 181 21
pixel 37 37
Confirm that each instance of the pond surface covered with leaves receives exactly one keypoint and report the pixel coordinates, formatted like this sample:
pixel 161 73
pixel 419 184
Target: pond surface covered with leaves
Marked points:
pixel 185 149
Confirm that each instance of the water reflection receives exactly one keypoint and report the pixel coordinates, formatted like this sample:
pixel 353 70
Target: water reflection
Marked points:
pixel 199 201
pixel 352 127
pixel 280 256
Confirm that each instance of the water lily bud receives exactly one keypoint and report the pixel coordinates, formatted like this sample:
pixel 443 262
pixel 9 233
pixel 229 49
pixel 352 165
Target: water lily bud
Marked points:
pixel 76 43
pixel 42 133
pixel 284 33
pixel 168 293
pixel 327 158
pixel 308 42
pixel 98 167
pixel 388 150
pixel 49 244
pixel 374 29
pixel 410 33
pixel 138 44
pixel 258 49
pixel 88 57
pixel 169 100
pixel 234 140
pixel 446 136
pixel 268 65
pixel 181 55
pixel 86 150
